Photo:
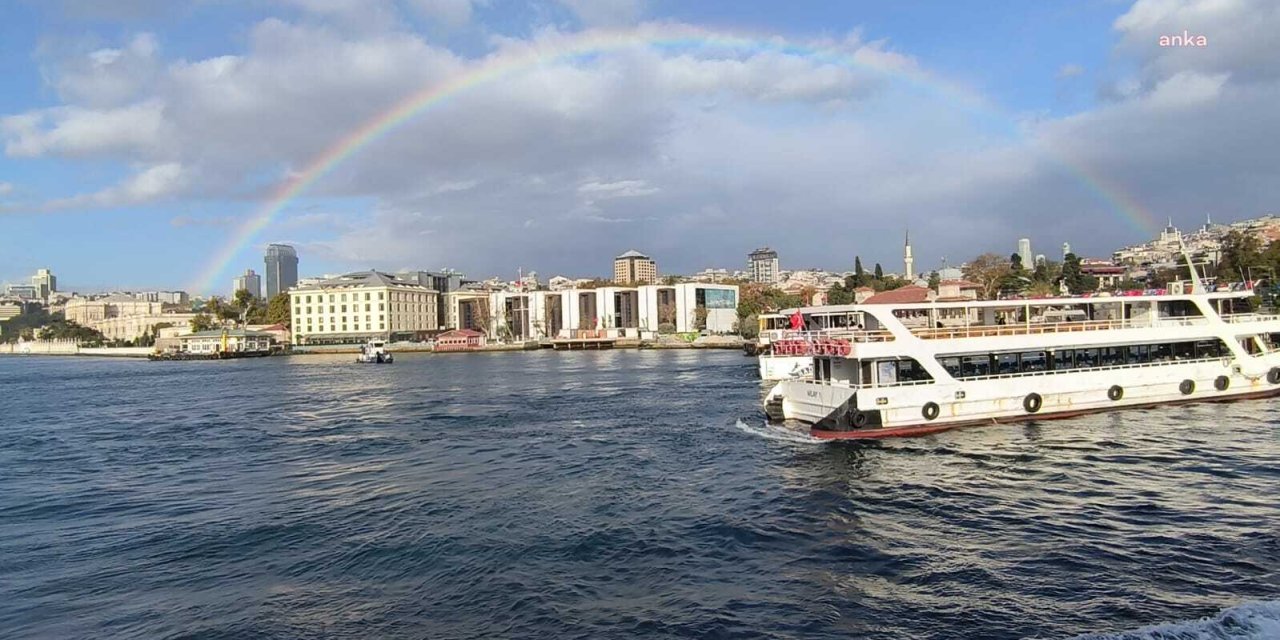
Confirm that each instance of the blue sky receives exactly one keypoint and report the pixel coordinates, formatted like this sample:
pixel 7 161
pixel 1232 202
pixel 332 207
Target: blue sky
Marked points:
pixel 137 140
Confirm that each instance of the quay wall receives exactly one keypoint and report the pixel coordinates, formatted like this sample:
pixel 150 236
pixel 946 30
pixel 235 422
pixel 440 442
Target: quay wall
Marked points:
pixel 69 348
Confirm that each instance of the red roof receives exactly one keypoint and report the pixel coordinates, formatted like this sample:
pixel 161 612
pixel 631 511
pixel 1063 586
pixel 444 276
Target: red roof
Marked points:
pixel 460 333
pixel 905 295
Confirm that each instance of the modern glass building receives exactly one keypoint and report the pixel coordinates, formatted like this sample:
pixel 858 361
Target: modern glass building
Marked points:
pixel 282 268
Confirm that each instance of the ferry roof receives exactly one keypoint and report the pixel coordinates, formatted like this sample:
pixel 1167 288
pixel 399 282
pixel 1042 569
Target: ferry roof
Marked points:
pixel 1022 302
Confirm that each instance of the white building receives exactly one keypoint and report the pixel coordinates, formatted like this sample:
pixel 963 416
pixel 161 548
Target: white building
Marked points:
pixel 763 265
pixel 1024 253
pixel 226 341
pixel 616 312
pixel 362 306
pixel 45 283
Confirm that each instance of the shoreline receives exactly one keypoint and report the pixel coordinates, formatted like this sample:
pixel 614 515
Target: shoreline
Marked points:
pixel 736 344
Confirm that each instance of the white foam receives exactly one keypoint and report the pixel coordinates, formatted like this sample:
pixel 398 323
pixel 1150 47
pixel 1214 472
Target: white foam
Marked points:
pixel 1251 621
pixel 780 434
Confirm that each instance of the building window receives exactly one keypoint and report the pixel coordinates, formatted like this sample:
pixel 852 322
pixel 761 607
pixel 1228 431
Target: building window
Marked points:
pixel 380 294
pixel 366 295
pixel 331 297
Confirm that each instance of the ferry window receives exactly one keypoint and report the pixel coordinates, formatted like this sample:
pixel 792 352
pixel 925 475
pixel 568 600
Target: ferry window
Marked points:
pixel 1086 358
pixel 1111 356
pixel 1007 363
pixel 1033 361
pixel 886 372
pixel 1250 347
pixel 1138 354
pixel 975 366
pixel 821 369
pixel 952 365
pixel 1207 349
pixel 1063 360
pixel 911 371
pixel 1161 352
pixel 1184 350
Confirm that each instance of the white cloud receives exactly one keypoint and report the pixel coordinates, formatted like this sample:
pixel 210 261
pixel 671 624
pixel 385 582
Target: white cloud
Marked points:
pixel 150 184
pixel 619 189
pixel 6 188
pixel 71 131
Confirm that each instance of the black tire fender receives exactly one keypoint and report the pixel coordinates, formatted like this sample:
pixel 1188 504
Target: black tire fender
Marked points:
pixel 930 410
pixel 1273 376
pixel 1032 402
pixel 1221 383
pixel 1187 387
pixel 859 419
pixel 1115 392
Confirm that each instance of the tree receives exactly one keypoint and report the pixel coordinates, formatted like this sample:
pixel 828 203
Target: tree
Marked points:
pixel 988 271
pixel 749 327
pixel 1239 252
pixel 203 322
pixel 278 311
pixel 1015 263
pixel 879 272
pixel 935 280
pixel 859 275
pixel 1076 280
pixel 242 300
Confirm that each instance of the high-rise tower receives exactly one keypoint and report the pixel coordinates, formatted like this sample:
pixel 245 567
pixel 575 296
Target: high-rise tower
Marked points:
pixel 282 268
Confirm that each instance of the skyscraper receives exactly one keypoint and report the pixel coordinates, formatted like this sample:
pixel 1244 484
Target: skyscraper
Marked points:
pixel 763 264
pixel 1024 252
pixel 250 282
pixel 282 268
pixel 45 283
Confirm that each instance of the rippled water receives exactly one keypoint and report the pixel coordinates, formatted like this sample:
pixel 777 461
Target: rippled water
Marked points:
pixel 579 495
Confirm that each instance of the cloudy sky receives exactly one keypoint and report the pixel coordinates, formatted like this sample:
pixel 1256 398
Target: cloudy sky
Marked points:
pixel 143 140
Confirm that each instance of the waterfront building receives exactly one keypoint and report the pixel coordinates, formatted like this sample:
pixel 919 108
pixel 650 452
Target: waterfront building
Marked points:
pixel 1024 253
pixel 763 266
pixel 365 305
pixel 226 341
pixel 612 312
pixel 9 310
pixel 250 282
pixel 442 282
pixel 120 316
pixel 282 268
pixel 634 267
pixel 460 340
pixel 44 283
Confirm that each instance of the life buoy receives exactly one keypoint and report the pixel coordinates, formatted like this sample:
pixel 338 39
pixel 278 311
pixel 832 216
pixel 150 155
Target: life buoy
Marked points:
pixel 1187 387
pixel 860 419
pixel 1115 392
pixel 1273 376
pixel 930 410
pixel 1221 383
pixel 1032 402
pixel 842 347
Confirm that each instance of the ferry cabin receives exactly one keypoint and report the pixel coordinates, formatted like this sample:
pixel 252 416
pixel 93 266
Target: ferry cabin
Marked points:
pixel 919 368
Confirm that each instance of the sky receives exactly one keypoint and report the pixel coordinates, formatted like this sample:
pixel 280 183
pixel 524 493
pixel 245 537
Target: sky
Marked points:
pixel 157 144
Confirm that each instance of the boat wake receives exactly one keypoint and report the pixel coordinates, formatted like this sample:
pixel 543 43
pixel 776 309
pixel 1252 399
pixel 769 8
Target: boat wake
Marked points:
pixel 780 434
pixel 1252 621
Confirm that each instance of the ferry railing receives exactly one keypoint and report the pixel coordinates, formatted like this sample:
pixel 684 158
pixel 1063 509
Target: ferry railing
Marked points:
pixel 836 342
pixel 1237 318
pixel 991 331
pixel 1021 374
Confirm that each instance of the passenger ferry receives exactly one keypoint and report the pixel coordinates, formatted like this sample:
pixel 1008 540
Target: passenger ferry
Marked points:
pixel 782 353
pixel 912 369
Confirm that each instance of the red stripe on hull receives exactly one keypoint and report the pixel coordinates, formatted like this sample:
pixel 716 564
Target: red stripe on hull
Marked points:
pixel 911 430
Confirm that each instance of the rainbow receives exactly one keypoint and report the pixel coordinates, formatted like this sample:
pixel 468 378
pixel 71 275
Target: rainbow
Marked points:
pixel 560 47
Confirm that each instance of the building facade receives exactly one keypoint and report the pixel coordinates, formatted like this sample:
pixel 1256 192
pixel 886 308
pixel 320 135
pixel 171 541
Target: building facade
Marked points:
pixel 282 268
pixel 763 265
pixel 226 341
pixel 250 282
pixel 1024 253
pixel 44 283
pixel 634 267
pixel 362 306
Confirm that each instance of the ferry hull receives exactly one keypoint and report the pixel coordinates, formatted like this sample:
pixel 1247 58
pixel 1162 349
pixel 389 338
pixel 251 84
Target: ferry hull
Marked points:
pixel 773 368
pixel 836 412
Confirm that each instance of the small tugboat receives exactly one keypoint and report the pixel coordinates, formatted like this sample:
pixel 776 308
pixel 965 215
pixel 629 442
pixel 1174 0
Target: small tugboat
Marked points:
pixel 374 352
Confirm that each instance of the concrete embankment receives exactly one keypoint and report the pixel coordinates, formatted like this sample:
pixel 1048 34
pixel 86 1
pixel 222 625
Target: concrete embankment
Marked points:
pixel 67 348
pixel 706 342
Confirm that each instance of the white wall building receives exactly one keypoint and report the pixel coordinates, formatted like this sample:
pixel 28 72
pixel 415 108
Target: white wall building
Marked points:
pixel 361 306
